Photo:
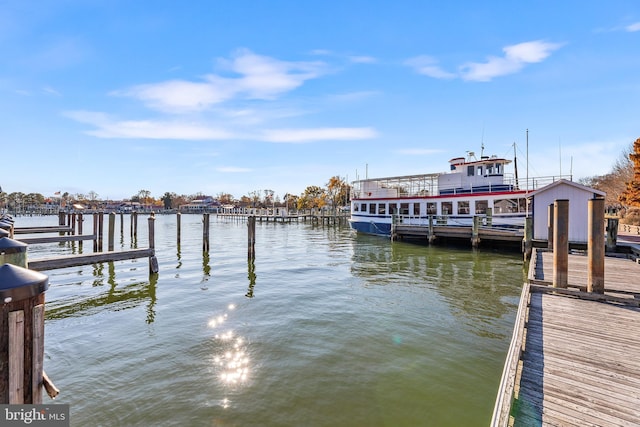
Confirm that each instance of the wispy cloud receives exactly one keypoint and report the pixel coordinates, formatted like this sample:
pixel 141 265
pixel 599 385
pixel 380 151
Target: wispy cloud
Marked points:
pixel 108 127
pixel 633 27
pixel 253 77
pixel 515 58
pixel 428 66
pixel 363 59
pixel 319 134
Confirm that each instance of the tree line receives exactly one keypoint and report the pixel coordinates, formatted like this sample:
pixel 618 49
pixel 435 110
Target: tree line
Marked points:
pixel 622 184
pixel 334 194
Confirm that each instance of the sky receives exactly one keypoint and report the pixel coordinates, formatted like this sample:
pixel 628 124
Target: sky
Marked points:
pixel 211 97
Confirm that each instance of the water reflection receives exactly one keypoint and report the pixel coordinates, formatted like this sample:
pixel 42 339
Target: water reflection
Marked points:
pixel 230 359
pixel 206 270
pixel 251 275
pixel 478 286
pixel 116 297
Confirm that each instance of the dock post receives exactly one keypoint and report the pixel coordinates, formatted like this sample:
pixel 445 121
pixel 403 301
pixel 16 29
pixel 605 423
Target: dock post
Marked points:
pixel 612 234
pixel 121 224
pixel 73 223
pixel 61 218
pixel 550 226
pixel 475 229
pixel 432 236
pixel 80 220
pixel 100 230
pixel 527 241
pixel 205 232
pixel 134 225
pixel 178 226
pixel 95 232
pixel 595 249
pixel 22 345
pixel 112 226
pixel 561 243
pixel 153 261
pixel 489 217
pixel 13 252
pixel 251 242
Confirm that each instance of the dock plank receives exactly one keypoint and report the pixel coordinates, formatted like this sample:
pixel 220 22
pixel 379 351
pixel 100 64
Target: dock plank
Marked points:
pixel 580 363
pixel 76 260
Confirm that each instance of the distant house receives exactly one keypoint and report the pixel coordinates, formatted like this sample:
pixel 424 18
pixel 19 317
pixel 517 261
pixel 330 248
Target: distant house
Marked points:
pixel 200 204
pixel 578 196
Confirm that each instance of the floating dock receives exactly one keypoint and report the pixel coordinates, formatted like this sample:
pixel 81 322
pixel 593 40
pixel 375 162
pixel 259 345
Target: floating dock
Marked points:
pixel 574 356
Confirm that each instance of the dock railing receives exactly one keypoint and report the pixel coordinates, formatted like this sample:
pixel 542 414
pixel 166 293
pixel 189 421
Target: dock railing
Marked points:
pixel 502 408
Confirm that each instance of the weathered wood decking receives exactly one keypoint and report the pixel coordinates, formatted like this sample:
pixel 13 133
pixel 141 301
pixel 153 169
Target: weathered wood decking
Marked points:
pixel 574 360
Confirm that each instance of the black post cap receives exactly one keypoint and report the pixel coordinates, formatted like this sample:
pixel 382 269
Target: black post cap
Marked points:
pixel 18 283
pixel 10 246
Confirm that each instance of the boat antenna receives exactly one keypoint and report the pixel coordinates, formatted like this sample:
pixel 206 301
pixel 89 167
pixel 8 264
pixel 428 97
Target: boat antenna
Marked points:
pixel 515 165
pixel 560 155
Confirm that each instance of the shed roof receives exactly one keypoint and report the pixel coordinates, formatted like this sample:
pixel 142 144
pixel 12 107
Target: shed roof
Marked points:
pixel 569 183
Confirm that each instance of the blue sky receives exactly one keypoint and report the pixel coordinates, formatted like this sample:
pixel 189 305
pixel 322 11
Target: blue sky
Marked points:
pixel 237 96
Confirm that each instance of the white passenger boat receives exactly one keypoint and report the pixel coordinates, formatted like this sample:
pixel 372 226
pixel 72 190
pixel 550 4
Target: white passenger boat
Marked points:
pixel 471 188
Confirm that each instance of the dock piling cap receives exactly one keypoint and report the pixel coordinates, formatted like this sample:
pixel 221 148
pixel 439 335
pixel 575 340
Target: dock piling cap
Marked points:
pixel 17 283
pixel 10 246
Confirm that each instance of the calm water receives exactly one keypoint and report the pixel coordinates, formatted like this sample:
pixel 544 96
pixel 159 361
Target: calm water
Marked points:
pixel 326 328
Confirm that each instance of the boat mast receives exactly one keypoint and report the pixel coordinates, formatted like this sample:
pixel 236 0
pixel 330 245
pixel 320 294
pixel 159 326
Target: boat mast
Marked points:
pixel 515 166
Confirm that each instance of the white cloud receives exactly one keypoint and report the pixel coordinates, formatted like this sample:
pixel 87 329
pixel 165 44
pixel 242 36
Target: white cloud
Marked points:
pixel 429 67
pixel 107 127
pixel 254 77
pixel 318 134
pixel 633 27
pixel 515 58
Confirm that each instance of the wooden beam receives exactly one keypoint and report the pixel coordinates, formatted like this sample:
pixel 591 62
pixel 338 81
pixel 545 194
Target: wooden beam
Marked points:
pixel 16 357
pixel 57 239
pixel 75 260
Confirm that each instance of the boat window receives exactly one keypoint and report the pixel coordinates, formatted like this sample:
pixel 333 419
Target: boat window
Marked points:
pixel 393 208
pixel 416 209
pixel 363 207
pixel 431 208
pixel 447 208
pixel 479 170
pixel 463 208
pixel 372 208
pixel 470 170
pixel 502 206
pixel 481 206
pixel 355 207
pixel 382 208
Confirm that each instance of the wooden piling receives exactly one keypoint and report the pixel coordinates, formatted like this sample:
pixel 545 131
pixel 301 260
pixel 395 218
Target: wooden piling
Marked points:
pixel 95 232
pixel 73 222
pixel 596 246
pixel 178 226
pixel 527 241
pixel 80 221
pixel 205 232
pixel 22 344
pixel 612 234
pixel 134 225
pixel 153 261
pixel 431 234
pixel 112 226
pixel 550 226
pixel 100 230
pixel 121 223
pixel 251 228
pixel 561 243
pixel 475 229
pixel 61 216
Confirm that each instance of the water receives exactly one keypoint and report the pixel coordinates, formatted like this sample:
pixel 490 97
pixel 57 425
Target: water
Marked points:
pixel 326 328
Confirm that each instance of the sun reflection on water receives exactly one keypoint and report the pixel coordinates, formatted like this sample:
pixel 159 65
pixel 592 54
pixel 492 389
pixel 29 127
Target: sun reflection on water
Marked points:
pixel 232 362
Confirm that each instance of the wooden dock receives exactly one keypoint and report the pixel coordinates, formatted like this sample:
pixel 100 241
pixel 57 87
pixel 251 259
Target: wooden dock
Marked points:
pixel 574 358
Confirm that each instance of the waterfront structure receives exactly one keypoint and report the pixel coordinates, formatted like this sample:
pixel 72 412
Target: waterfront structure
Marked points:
pixel 578 196
pixel 470 189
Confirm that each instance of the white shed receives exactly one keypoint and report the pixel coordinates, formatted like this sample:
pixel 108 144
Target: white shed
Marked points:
pixel 578 196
